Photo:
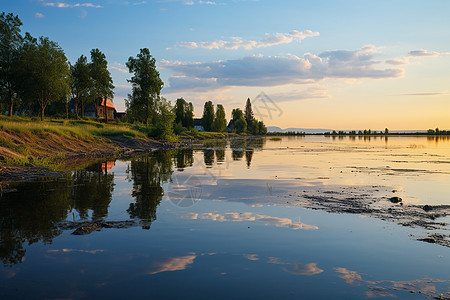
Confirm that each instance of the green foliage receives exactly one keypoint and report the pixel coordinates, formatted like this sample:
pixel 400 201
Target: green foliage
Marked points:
pixel 102 83
pixel 219 123
pixel 178 128
pixel 262 129
pixel 237 114
pixel 146 88
pixel 10 43
pixel 249 114
pixel 81 83
pixel 240 125
pixel 208 116
pixel 44 72
pixel 184 113
pixel 164 118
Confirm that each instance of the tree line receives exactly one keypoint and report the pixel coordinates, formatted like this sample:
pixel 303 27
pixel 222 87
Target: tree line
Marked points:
pixel 36 76
pixel 35 73
pixel 241 122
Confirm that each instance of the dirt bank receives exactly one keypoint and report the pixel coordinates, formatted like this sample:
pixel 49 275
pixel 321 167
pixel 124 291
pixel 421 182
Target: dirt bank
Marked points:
pixel 49 154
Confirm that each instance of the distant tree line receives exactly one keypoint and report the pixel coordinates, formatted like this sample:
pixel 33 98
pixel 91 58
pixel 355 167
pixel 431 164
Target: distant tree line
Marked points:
pixel 241 122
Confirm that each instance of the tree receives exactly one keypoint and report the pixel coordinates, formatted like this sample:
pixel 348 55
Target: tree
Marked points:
pixel 386 131
pixel 81 83
pixel 237 114
pixel 220 123
pixel 249 114
pixel 240 125
pixel 208 115
pixel 146 87
pixel 10 43
pixel 184 113
pixel 262 129
pixel 164 118
pixel 45 71
pixel 189 117
pixel 102 83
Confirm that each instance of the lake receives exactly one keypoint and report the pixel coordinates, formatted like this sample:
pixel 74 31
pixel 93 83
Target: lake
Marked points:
pixel 292 218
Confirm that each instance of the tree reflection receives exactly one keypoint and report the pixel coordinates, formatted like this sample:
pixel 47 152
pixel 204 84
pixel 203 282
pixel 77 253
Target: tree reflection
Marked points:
pixel 33 212
pixel 208 157
pixel 30 214
pixel 92 191
pixel 220 155
pixel 148 173
pixel 183 158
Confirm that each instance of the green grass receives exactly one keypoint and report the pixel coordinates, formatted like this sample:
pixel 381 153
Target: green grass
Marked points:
pixel 275 139
pixel 35 132
pixel 68 128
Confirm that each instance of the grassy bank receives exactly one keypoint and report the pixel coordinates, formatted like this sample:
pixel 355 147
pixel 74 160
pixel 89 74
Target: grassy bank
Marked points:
pixel 29 142
pixel 53 142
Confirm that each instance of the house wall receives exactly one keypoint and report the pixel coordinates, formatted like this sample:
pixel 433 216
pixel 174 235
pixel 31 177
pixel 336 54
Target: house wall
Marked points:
pixel 101 112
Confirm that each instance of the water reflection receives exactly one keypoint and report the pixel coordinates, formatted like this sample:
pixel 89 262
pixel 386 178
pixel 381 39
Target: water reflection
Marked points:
pixel 183 158
pixel 249 217
pixel 170 264
pixel 387 288
pixel 296 268
pixel 92 191
pixel 148 173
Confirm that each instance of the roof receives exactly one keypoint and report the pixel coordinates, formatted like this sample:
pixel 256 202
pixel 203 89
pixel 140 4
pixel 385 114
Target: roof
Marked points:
pixel 198 122
pixel 108 103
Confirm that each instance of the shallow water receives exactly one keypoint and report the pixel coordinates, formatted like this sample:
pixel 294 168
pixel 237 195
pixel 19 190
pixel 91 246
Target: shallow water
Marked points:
pixel 218 222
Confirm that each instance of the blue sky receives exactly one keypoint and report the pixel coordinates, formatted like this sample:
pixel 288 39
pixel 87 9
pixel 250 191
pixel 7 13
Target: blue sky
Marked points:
pixel 334 64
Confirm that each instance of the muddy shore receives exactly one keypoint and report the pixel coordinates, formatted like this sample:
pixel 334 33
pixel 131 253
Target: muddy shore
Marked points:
pixel 118 147
pixel 381 203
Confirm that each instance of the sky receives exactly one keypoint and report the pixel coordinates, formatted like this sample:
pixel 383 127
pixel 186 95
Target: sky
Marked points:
pixel 334 64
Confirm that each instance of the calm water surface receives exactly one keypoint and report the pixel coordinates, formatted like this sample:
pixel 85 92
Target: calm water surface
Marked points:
pixel 214 223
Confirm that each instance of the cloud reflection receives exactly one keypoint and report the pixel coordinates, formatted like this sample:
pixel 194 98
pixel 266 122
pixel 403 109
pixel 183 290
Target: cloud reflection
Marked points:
pixel 249 217
pixel 66 250
pixel 296 268
pixel 251 256
pixel 169 264
pixel 385 288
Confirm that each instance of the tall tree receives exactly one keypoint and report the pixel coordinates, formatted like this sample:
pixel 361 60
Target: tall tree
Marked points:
pixel 45 71
pixel 237 114
pixel 180 108
pixel 239 123
pixel 102 83
pixel 146 86
pixel 208 115
pixel 10 43
pixel 248 112
pixel 189 116
pixel 163 119
pixel 81 83
pixel 220 123
pixel 184 113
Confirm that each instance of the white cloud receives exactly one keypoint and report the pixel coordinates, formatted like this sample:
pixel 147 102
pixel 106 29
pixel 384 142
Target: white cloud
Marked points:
pixel 423 52
pixel 260 70
pixel 64 5
pixel 238 42
pixel 139 3
pixel 207 2
pixel 398 61
pixel 122 70
pixel 39 15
